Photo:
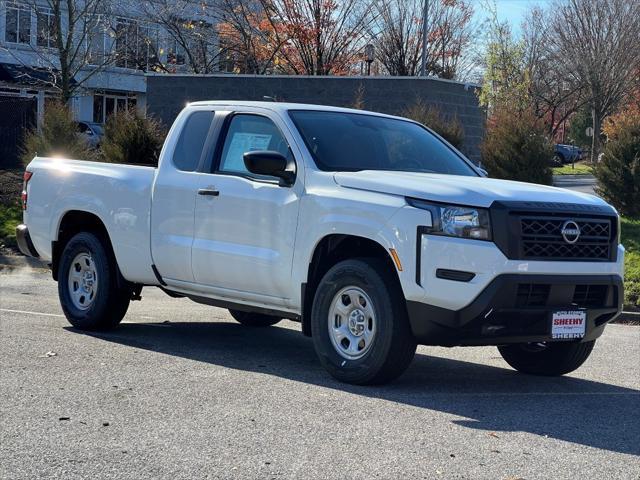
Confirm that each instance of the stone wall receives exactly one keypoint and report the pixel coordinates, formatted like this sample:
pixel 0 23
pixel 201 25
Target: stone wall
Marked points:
pixel 167 95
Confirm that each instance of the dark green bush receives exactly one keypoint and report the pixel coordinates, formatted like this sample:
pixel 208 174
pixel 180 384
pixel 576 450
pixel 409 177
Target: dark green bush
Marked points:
pixel 618 173
pixel 58 137
pixel 516 147
pixel 133 139
pixel 448 128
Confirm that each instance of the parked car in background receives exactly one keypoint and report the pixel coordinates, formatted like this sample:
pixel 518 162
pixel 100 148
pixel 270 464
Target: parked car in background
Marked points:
pixel 92 132
pixel 566 153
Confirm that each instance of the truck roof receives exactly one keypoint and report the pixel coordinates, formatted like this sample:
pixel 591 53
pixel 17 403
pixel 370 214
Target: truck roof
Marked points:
pixel 282 107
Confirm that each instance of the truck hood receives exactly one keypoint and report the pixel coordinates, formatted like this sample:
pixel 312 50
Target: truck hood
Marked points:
pixel 474 191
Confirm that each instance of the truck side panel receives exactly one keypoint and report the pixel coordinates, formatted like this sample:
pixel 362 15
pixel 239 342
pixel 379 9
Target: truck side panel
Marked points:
pixel 119 195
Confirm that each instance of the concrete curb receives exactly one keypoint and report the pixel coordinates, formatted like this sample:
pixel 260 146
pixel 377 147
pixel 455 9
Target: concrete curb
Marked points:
pixel 628 318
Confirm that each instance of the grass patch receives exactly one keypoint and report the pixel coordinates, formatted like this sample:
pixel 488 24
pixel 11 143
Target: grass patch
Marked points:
pixel 631 241
pixel 580 169
pixel 10 217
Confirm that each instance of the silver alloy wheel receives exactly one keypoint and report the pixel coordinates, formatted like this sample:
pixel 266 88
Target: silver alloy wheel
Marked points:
pixel 352 323
pixel 83 281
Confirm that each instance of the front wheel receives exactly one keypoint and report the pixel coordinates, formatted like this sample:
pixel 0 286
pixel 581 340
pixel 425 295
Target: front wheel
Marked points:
pixel 549 359
pixel 251 319
pixel 359 323
pixel 92 295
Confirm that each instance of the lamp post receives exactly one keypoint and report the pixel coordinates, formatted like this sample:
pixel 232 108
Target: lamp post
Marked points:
pixel 369 55
pixel 425 37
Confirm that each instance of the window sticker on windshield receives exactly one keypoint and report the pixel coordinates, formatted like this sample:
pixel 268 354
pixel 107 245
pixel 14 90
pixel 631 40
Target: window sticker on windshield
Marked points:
pixel 242 143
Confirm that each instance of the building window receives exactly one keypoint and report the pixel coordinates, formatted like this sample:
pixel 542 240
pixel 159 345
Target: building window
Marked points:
pixel 17 24
pixel 46 28
pixel 125 42
pixel 175 53
pixel 137 44
pixel 106 104
pixel 96 40
pixel 148 46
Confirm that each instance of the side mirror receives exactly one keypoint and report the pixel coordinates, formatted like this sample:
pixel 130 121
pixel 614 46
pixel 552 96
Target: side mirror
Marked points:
pixel 273 164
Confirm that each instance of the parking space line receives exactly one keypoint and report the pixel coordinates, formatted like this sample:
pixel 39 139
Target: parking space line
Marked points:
pixel 31 313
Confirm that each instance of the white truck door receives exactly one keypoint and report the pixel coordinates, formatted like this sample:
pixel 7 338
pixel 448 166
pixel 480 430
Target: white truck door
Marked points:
pixel 245 225
pixel 174 197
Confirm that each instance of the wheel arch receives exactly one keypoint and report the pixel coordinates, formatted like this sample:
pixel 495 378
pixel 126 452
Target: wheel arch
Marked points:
pixel 330 250
pixel 71 223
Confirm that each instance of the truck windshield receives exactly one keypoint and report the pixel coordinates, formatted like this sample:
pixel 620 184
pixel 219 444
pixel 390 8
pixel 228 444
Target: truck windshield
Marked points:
pixel 341 141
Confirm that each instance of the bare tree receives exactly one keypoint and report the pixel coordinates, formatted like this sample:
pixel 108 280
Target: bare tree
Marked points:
pixel 66 43
pixel 398 26
pixel 554 99
pixel 192 36
pixel 599 42
pixel 398 32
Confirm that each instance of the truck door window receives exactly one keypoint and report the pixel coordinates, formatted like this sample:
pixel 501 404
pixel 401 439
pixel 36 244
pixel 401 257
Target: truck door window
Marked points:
pixel 186 155
pixel 248 133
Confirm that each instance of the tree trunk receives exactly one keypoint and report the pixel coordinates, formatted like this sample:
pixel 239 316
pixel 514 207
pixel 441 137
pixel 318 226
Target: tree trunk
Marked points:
pixel 595 140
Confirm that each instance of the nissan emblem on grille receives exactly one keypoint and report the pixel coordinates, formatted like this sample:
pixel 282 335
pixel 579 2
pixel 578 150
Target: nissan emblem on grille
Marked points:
pixel 570 231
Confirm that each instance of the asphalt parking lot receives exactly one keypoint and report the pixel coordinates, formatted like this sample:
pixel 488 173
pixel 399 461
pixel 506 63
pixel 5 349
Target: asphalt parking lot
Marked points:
pixel 578 183
pixel 181 391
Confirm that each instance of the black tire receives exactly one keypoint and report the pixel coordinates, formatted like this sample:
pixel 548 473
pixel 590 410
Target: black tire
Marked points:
pixel 556 358
pixel 112 294
pixel 393 346
pixel 251 319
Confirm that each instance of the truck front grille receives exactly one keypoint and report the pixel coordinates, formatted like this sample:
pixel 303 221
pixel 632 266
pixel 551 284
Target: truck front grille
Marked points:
pixel 531 295
pixel 541 239
pixel 590 295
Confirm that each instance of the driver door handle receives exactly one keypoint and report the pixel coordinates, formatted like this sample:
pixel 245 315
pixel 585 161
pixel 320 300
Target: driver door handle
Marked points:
pixel 209 192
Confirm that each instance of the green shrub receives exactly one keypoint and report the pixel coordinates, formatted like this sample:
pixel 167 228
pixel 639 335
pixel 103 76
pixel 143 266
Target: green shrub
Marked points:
pixel 58 137
pixel 448 128
pixel 631 241
pixel 10 218
pixel 618 173
pixel 133 139
pixel 516 147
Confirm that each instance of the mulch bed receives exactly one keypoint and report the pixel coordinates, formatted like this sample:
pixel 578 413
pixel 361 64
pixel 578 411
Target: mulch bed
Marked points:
pixel 10 185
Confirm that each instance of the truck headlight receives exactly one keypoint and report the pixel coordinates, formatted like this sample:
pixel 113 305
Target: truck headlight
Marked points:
pixel 456 220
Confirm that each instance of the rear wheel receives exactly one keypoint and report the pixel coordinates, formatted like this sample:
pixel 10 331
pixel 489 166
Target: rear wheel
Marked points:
pixel 92 294
pixel 550 359
pixel 251 319
pixel 359 323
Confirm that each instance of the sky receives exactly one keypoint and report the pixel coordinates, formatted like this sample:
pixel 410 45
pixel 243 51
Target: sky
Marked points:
pixel 513 11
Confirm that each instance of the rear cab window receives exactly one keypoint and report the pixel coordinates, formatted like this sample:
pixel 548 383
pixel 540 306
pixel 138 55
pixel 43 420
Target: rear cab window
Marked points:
pixel 189 147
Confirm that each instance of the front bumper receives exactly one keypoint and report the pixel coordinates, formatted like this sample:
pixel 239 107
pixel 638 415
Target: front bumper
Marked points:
pixel 517 308
pixel 24 241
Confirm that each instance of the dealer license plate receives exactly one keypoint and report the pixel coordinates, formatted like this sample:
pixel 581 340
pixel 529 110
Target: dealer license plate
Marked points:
pixel 568 324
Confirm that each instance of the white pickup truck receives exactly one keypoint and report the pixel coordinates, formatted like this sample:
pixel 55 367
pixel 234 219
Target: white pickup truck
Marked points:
pixel 369 229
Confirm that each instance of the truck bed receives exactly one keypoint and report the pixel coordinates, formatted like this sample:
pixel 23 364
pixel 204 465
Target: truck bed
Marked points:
pixel 119 195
